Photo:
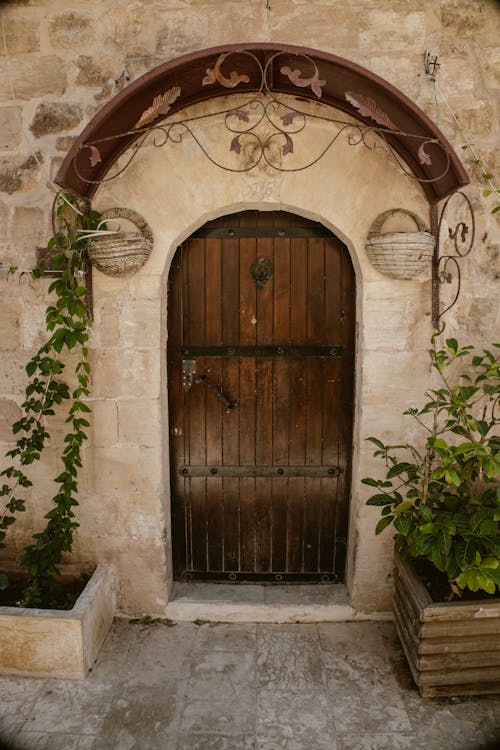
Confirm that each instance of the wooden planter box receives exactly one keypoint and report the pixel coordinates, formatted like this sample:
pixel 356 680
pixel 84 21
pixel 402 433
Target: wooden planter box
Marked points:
pixel 452 648
pixel 59 643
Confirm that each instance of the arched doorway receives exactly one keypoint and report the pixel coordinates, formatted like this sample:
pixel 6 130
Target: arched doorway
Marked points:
pixel 261 367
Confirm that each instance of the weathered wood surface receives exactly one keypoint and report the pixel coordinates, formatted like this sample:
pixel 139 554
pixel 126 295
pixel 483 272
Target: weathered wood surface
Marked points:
pixel 455 652
pixel 291 411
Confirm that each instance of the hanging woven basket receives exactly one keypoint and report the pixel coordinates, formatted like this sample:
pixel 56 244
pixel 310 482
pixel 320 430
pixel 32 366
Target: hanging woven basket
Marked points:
pixel 401 255
pixel 123 253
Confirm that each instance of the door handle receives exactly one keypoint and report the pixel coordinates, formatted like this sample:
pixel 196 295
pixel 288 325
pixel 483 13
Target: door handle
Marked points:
pixel 203 378
pixel 188 380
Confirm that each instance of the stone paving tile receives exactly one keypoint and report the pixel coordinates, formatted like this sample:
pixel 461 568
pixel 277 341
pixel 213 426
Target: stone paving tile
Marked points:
pixel 215 742
pixel 221 694
pixel 289 657
pixel 361 741
pixel 468 724
pixel 53 741
pixel 161 653
pixel 143 717
pixel 17 698
pixel 72 707
pixel 224 637
pixel 298 719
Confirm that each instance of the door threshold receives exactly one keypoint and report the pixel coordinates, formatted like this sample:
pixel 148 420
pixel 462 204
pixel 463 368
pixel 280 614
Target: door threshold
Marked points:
pixel 219 602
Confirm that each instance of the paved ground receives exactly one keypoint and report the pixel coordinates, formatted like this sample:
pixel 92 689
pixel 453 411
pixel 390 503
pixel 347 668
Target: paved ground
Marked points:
pixel 338 686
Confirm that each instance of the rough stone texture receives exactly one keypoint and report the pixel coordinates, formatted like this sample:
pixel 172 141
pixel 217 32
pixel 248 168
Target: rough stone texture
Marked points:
pixel 10 136
pixel 53 117
pixel 22 35
pixel 64 142
pixel 28 231
pixel 17 177
pixel 71 29
pixel 10 412
pixel 34 76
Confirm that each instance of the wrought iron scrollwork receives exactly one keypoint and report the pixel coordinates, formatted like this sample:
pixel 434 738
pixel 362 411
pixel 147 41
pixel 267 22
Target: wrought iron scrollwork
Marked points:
pixel 451 247
pixel 263 128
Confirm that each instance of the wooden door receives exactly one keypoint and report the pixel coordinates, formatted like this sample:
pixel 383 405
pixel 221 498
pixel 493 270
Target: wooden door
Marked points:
pixel 260 369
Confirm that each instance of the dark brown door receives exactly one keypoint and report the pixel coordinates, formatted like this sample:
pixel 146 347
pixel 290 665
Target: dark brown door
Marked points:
pixel 260 369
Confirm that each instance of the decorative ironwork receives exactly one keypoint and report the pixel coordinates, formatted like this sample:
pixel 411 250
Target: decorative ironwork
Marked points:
pixel 264 128
pixel 451 247
pixel 261 271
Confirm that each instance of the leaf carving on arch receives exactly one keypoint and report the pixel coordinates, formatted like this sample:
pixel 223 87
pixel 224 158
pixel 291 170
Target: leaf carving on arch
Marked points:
pixel 161 106
pixel 214 75
pixel 367 107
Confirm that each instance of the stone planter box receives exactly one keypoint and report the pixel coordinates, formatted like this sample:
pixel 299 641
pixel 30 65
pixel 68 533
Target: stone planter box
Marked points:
pixel 452 648
pixel 59 643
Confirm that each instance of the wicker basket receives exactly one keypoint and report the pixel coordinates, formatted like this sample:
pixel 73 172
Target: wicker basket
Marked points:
pixel 401 255
pixel 121 254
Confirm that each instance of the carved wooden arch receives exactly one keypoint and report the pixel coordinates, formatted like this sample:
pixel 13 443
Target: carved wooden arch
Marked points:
pixel 289 69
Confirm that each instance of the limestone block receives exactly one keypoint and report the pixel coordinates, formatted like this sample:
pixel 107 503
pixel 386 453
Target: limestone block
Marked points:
pixel 330 26
pixel 22 35
pixel 107 322
pixel 94 71
pixel 463 19
pixel 71 30
pixel 129 28
pixel 121 469
pixel 383 28
pixel 54 117
pixel 34 76
pixel 9 413
pixel 9 327
pixel 126 373
pixel 28 231
pixel 140 421
pixel 19 175
pixel 145 286
pixel 12 373
pixel 10 132
pixel 182 32
pixel 104 421
pixel 64 142
pixel 140 324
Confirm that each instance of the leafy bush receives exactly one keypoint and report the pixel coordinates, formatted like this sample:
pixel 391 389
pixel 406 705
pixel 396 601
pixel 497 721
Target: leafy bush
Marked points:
pixel 443 500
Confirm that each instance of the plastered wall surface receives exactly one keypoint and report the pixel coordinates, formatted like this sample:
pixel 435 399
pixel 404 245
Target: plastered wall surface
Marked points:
pixel 63 61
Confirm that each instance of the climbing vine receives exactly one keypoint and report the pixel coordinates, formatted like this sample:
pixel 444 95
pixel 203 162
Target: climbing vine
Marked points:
pixel 68 325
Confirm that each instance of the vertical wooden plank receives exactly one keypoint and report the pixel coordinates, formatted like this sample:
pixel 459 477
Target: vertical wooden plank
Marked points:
pixel 230 292
pixel 213 440
pixel 315 291
pixel 263 457
pixel 330 500
pixel 298 291
pixel 314 434
pixel 231 457
pixel 333 300
pixel 195 292
pixel 247 458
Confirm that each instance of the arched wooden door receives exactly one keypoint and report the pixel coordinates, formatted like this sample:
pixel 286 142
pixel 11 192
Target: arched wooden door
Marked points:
pixel 260 368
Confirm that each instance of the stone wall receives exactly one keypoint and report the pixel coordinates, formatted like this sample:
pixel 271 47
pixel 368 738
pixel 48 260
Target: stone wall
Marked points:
pixel 65 60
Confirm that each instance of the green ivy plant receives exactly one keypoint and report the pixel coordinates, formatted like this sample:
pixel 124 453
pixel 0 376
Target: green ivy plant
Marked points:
pixel 68 324
pixel 443 499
